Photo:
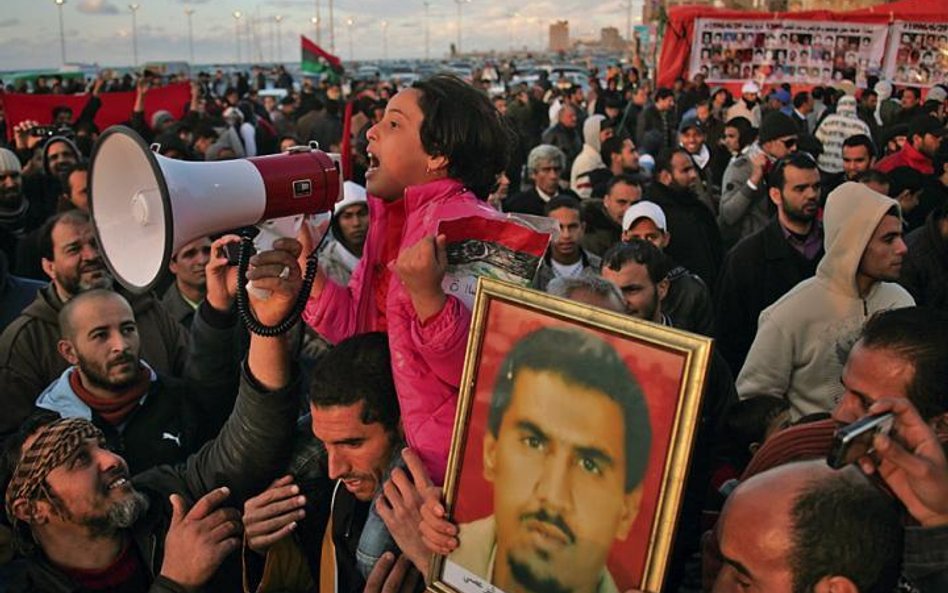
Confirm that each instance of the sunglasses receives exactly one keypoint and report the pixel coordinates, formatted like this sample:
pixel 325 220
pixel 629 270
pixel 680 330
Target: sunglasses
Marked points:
pixel 789 142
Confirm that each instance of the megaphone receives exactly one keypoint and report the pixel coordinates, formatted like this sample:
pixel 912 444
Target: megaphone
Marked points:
pixel 145 206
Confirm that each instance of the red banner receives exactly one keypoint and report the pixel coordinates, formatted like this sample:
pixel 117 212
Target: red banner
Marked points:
pixel 116 107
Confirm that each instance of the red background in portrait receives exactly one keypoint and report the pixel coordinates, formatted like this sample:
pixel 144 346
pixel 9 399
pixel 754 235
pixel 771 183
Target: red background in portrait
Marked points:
pixel 660 373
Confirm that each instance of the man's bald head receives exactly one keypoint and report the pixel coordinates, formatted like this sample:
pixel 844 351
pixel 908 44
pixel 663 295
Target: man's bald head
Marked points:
pixel 86 302
pixel 797 527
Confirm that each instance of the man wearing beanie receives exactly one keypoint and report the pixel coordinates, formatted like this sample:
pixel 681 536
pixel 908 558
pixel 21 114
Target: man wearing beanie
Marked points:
pixel 18 215
pixel 745 208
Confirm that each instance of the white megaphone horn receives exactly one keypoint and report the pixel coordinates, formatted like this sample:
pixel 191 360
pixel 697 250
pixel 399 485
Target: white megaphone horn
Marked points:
pixel 145 206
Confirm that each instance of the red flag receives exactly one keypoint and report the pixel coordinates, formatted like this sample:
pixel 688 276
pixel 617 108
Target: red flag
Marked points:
pixel 116 107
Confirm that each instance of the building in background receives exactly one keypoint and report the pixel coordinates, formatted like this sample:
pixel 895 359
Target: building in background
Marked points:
pixel 559 36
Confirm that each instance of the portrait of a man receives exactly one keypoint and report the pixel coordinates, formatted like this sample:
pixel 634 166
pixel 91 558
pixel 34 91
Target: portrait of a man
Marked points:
pixel 566 448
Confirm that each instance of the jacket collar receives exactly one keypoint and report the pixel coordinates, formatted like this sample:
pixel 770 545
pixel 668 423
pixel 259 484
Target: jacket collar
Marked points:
pixel 915 159
pixel 416 196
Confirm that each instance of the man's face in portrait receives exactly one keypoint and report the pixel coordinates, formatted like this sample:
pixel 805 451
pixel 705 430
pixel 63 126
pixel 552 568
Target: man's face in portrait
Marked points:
pixel 558 466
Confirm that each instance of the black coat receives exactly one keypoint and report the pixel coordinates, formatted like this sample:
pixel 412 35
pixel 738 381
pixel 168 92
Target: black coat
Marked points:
pixel 695 238
pixel 925 268
pixel 602 232
pixel 757 271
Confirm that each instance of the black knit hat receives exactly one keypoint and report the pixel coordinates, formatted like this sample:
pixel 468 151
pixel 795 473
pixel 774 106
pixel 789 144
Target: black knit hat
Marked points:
pixel 776 125
pixel 53 140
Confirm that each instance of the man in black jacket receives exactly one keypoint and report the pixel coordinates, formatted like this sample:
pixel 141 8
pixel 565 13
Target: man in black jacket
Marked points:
pixel 545 163
pixel 925 268
pixel 697 240
pixel 93 527
pixel 764 266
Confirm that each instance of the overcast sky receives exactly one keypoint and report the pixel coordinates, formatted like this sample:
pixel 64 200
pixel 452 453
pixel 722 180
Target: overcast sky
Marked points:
pixel 100 31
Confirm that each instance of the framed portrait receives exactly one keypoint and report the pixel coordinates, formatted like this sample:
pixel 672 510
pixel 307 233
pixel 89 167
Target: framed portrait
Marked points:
pixel 571 447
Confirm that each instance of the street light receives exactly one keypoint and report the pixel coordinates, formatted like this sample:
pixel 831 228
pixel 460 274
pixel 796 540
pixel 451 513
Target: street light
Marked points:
pixel 332 30
pixel 427 31
pixel 349 22
pixel 279 21
pixel 62 34
pixel 384 40
pixel 134 8
pixel 628 21
pixel 237 14
pixel 190 12
pixel 460 3
pixel 315 20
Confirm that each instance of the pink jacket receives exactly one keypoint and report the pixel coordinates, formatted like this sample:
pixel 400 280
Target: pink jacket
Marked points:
pixel 427 359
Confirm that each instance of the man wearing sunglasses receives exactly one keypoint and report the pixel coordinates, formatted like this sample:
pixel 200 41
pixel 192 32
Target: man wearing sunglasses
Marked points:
pixel 745 208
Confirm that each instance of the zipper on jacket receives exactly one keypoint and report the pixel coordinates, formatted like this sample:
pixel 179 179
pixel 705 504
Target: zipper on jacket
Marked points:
pixel 865 308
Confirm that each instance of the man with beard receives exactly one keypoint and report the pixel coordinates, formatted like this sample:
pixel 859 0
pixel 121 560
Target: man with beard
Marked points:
pixel 603 218
pixel 29 360
pixel 150 419
pixel 566 258
pixel 567 422
pixel 697 244
pixel 796 353
pixel 18 215
pixel 763 267
pixel 90 525
pixel 924 136
pixel 190 280
pixel 350 224
pixel 748 106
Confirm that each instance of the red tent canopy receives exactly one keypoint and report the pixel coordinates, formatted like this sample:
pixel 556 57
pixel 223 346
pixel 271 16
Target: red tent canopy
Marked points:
pixel 679 33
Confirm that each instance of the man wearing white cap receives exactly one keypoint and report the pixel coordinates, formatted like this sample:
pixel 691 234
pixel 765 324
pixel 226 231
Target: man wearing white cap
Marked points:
pixel 688 301
pixel 748 106
pixel 350 224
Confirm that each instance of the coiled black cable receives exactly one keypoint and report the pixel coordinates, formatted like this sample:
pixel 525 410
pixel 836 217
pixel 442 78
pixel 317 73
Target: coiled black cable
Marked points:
pixel 243 303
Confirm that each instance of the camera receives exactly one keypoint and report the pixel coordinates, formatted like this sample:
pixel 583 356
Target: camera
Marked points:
pixel 855 440
pixel 50 131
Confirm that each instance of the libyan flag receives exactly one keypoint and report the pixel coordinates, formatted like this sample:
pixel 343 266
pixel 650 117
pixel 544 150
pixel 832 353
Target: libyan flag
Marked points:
pixel 316 60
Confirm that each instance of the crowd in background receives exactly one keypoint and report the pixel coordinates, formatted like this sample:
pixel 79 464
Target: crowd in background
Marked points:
pixel 806 231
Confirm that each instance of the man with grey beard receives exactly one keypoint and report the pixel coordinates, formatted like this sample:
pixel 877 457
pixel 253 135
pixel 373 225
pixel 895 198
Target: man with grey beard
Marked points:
pixel 29 360
pixel 88 524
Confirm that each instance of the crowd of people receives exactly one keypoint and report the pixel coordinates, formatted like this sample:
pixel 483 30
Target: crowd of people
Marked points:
pixel 153 444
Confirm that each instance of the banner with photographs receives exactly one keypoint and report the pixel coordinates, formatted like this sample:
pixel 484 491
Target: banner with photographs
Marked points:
pixel 803 52
pixel 918 54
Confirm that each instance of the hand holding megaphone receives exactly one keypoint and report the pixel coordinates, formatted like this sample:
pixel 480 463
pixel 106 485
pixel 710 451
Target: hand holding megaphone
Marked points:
pixel 277 278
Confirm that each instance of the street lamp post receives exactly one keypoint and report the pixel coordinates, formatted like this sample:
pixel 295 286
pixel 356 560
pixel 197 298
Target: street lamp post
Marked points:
pixel 279 21
pixel 62 34
pixel 332 30
pixel 384 40
pixel 316 20
pixel 427 31
pixel 134 8
pixel 460 3
pixel 237 14
pixel 190 13
pixel 349 22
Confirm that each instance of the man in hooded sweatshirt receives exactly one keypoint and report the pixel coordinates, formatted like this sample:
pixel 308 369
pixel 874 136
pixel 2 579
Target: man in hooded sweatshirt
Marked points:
pixel 802 339
pixel 835 129
pixel 589 158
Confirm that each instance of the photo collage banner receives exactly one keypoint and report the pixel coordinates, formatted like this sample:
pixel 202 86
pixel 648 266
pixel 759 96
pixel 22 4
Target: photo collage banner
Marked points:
pixel 819 52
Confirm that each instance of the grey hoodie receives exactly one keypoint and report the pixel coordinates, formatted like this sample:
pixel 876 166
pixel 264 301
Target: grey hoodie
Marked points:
pixel 589 158
pixel 804 338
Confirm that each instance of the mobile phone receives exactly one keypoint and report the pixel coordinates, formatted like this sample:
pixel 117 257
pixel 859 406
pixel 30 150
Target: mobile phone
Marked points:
pixel 855 440
pixel 232 253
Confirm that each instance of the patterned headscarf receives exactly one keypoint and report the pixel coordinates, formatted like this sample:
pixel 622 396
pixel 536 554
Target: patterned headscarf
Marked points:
pixel 54 444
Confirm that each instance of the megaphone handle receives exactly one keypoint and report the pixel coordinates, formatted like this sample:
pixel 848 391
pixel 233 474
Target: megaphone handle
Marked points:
pixel 243 304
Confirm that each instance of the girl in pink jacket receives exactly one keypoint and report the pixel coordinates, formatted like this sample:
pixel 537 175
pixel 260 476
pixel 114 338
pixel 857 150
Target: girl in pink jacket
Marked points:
pixel 434 156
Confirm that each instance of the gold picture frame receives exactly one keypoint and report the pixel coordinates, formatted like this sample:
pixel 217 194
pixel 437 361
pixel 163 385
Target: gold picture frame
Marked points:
pixel 671 388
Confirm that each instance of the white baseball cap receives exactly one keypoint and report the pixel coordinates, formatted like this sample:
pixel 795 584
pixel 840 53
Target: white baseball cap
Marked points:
pixel 750 87
pixel 644 209
pixel 352 193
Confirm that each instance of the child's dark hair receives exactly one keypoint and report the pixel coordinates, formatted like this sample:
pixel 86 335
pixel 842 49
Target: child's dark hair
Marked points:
pixel 462 125
pixel 746 423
